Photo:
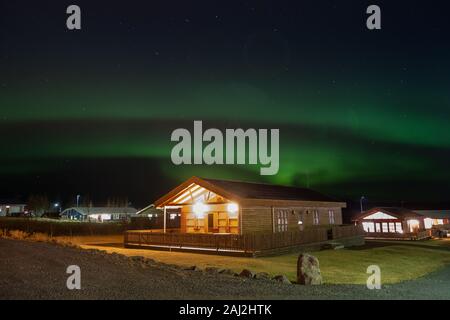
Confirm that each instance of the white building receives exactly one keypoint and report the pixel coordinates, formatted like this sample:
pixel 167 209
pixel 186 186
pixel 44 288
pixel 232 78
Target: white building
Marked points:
pixel 9 209
pixel 98 214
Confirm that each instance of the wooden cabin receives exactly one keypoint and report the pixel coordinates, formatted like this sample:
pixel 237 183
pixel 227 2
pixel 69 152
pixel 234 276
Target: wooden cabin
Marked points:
pixel 235 207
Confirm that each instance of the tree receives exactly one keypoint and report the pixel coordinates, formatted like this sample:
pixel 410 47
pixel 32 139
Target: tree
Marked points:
pixel 39 204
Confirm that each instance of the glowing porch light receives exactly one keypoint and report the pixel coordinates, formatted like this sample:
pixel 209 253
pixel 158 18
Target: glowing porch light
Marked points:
pixel 232 209
pixel 199 209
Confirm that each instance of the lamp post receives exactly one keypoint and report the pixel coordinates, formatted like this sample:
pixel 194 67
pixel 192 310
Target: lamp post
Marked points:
pixel 57 206
pixel 361 202
pixel 78 200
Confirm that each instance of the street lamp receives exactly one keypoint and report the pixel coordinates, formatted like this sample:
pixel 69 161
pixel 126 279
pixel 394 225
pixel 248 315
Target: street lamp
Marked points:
pixel 57 206
pixel 361 202
pixel 78 200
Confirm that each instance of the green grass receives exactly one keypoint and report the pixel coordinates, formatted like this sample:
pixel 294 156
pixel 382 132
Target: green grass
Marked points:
pixel 348 266
pixel 399 261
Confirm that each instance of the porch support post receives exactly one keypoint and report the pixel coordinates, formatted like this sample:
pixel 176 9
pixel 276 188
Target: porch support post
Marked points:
pixel 165 218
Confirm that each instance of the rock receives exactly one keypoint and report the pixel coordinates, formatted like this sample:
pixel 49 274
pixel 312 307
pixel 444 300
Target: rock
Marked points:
pixel 308 271
pixel 211 270
pixel 193 268
pixel 262 276
pixel 137 258
pixel 246 273
pixel 281 278
pixel 227 272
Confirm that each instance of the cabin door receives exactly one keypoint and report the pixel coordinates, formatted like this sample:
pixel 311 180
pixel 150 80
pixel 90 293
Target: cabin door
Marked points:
pixel 212 222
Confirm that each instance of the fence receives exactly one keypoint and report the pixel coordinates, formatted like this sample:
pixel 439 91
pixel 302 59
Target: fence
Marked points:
pixel 253 242
pixel 339 232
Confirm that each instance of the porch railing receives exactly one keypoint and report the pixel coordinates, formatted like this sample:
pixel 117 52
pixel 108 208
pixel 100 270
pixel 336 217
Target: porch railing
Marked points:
pixel 233 242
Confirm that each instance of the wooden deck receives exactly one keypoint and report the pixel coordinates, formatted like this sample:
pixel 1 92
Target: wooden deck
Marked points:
pixel 246 244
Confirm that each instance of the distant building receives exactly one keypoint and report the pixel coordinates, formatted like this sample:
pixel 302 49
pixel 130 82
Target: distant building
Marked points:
pixel 11 209
pixel 393 222
pixel 98 214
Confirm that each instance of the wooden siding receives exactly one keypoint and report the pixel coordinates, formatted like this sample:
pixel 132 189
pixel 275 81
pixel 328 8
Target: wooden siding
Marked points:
pixel 257 220
pixel 261 219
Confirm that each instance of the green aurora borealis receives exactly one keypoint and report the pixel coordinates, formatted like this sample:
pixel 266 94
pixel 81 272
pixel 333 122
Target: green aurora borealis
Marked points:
pixel 355 119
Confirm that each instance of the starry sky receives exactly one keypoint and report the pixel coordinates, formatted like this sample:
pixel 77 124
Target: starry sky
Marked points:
pixel 91 111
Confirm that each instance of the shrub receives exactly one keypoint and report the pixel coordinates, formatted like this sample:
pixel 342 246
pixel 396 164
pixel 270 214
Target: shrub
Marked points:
pixel 60 227
pixel 18 234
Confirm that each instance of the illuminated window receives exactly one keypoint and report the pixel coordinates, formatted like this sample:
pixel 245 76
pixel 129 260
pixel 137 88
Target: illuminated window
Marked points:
pixel 398 227
pixel 282 220
pixel 369 226
pixel 315 217
pixel 384 227
pixel 331 216
pixel 377 227
pixel 392 227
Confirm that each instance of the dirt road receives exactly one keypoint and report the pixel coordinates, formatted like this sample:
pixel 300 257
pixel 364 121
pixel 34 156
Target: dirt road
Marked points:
pixel 32 270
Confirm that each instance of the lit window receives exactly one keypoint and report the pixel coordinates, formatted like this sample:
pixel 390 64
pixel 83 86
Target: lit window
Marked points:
pixel 331 216
pixel 392 227
pixel 428 223
pixel 384 227
pixel 398 227
pixel 377 227
pixel 315 217
pixel 282 220
pixel 368 227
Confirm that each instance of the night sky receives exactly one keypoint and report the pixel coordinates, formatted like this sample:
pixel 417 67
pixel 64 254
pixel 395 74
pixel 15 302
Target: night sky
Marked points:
pixel 90 112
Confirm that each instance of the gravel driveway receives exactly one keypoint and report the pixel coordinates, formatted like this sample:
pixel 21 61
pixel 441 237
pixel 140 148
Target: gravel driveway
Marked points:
pixel 33 270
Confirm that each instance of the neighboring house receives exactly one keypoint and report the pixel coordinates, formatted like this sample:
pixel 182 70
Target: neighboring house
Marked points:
pixel 235 207
pixel 98 214
pixel 11 209
pixel 393 222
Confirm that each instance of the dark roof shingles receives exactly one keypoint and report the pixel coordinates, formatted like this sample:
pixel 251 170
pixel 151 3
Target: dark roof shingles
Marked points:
pixel 250 190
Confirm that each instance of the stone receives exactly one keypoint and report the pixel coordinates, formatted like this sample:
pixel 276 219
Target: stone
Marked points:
pixel 137 258
pixel 227 272
pixel 281 278
pixel 192 268
pixel 262 276
pixel 211 270
pixel 308 270
pixel 246 274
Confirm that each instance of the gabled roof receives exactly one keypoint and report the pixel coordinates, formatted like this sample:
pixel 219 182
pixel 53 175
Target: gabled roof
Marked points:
pixel 400 213
pixel 240 191
pixel 103 210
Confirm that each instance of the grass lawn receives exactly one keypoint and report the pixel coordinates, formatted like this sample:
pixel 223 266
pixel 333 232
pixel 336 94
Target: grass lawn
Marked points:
pixel 398 261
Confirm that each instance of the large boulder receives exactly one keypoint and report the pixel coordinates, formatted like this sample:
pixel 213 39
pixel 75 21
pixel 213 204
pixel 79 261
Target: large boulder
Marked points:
pixel 308 271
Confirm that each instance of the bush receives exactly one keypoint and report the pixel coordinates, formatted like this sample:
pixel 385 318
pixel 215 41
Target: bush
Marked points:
pixel 54 228
pixel 18 234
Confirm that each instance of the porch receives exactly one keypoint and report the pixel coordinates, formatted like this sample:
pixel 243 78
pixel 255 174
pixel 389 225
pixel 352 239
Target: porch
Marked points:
pixel 251 244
